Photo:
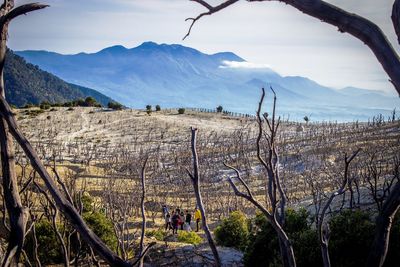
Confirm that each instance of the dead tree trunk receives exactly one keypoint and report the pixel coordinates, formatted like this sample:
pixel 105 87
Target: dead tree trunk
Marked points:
pixel 195 177
pixel 7 13
pixel 143 178
pixel 323 229
pixel 384 222
pixel 18 215
pixel 275 192
pixel 53 212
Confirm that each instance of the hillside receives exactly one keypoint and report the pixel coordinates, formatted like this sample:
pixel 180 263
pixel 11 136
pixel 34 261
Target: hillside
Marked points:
pixel 100 152
pixel 27 83
pixel 175 75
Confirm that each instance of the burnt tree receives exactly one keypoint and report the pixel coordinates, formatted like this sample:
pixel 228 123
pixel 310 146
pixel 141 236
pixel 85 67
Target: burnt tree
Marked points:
pixel 18 215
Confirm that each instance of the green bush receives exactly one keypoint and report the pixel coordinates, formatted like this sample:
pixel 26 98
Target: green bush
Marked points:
pixel 262 249
pixel 181 111
pixel 263 245
pixel 79 102
pixel 114 105
pixel 158 234
pixel 34 112
pixel 233 231
pixel 91 102
pixel 29 105
pixel 352 233
pixel 189 237
pixel 351 238
pixel 87 203
pixel 158 108
pixel 49 249
pixel 45 105
pixel 219 109
pixel 102 227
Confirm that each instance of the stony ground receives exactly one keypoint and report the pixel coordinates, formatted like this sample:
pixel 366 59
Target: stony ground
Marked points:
pixel 180 254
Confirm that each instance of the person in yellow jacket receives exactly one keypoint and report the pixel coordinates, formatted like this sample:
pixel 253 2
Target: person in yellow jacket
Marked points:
pixel 197 217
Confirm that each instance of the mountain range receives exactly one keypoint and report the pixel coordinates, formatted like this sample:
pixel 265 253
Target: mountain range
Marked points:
pixel 27 84
pixel 178 76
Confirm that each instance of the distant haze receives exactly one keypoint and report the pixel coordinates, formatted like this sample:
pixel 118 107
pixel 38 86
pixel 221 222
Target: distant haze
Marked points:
pixel 265 34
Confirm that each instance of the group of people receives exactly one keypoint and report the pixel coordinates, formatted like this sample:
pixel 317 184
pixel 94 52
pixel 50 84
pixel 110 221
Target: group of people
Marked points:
pixel 178 219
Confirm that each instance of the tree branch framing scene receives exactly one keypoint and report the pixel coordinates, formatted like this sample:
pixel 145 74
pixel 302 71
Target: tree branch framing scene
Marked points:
pixel 229 133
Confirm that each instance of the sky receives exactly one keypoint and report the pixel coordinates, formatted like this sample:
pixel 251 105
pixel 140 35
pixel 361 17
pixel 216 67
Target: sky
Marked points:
pixel 264 34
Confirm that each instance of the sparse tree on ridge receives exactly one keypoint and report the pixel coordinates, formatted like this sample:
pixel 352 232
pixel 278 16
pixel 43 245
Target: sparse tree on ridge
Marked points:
pixel 114 105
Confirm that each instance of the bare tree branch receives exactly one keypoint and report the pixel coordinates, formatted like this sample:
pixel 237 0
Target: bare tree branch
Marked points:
pixel 199 201
pixel 6 6
pixel 137 261
pixel 63 204
pixel 210 11
pixel 384 223
pixel 249 195
pixel 323 229
pixel 143 179
pixel 396 18
pixel 60 182
pixel 21 10
pixel 361 28
pixel 238 176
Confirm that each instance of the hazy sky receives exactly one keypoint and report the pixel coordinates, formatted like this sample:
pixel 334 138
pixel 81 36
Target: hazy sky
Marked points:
pixel 268 33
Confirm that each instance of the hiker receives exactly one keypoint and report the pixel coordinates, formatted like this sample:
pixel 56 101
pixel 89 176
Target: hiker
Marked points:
pixel 168 222
pixel 175 222
pixel 182 220
pixel 186 227
pixel 197 217
pixel 188 221
pixel 165 210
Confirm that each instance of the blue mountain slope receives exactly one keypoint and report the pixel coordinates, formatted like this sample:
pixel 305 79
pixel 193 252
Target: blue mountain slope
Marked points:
pixel 175 75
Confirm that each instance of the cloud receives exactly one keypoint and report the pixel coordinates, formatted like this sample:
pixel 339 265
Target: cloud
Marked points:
pixel 243 65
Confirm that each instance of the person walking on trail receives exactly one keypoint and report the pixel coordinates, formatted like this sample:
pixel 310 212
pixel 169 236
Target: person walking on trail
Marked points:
pixel 182 220
pixel 175 222
pixel 165 210
pixel 168 222
pixel 188 221
pixel 197 217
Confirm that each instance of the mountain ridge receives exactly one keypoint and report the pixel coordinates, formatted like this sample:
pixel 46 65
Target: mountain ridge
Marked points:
pixel 27 84
pixel 176 75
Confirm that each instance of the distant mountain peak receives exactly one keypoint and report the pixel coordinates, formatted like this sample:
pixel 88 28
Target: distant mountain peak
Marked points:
pixel 148 44
pixel 113 49
pixel 169 48
pixel 229 56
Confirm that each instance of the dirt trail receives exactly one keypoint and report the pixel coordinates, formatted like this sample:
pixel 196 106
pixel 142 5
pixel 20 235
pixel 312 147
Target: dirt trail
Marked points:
pixel 69 137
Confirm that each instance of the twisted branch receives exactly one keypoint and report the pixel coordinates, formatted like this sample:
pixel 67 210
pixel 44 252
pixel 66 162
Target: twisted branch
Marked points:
pixel 210 11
